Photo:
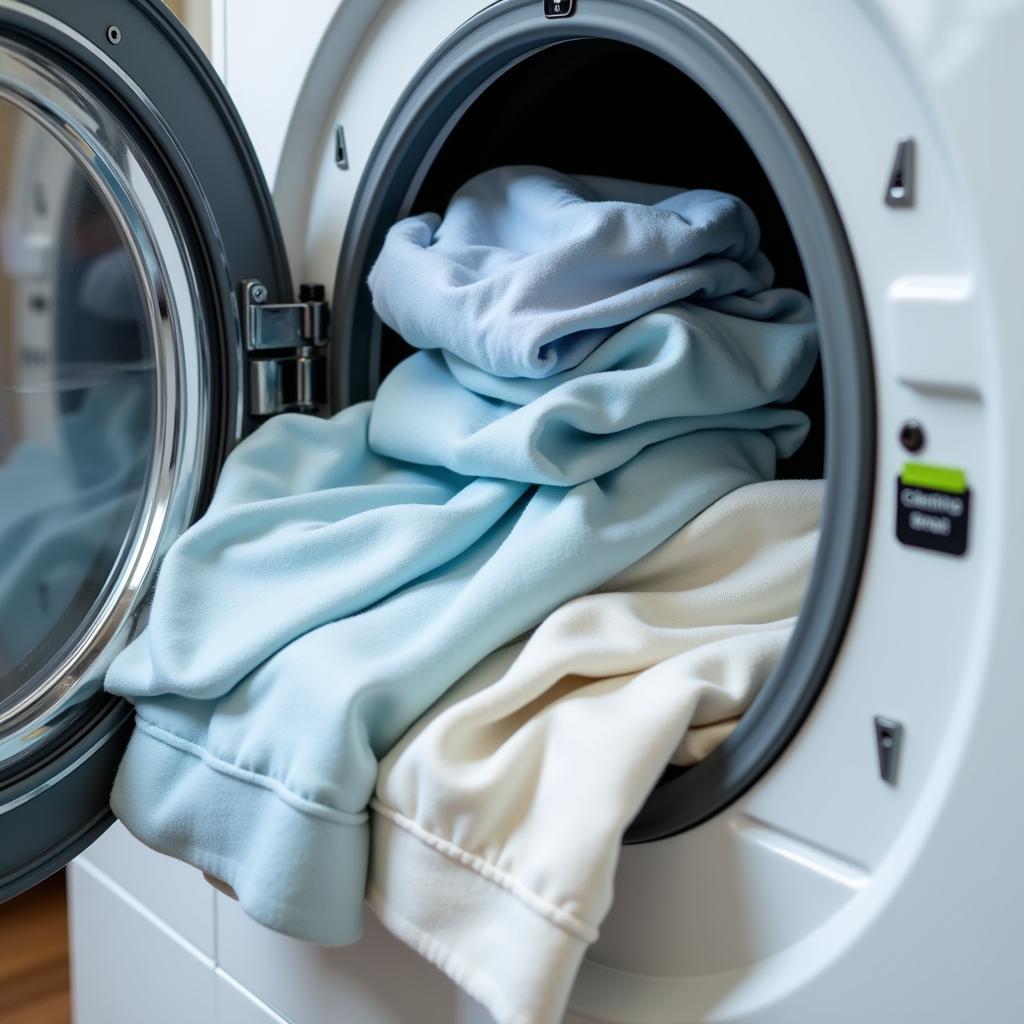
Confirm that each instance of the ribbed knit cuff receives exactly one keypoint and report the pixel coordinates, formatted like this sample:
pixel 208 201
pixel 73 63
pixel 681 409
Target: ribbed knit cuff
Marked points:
pixel 499 942
pixel 296 866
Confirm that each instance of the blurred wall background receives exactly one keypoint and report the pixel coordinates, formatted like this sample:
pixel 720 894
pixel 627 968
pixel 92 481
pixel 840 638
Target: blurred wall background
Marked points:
pixel 197 15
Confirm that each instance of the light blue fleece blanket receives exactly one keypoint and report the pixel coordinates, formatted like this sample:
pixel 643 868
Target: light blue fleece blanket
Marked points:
pixel 530 270
pixel 349 571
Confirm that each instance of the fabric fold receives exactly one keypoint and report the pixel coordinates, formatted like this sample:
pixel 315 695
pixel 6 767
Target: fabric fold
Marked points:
pixel 530 270
pixel 349 571
pixel 253 838
pixel 515 789
pixel 434 898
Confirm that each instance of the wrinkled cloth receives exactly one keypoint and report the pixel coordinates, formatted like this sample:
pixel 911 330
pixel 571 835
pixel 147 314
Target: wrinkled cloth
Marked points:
pixel 530 270
pixel 349 571
pixel 498 817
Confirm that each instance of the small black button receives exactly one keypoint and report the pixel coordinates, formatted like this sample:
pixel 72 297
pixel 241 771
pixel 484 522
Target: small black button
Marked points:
pixel 912 436
pixel 559 8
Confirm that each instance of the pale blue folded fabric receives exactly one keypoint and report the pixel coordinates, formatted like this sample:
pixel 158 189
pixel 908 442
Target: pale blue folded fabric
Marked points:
pixel 350 570
pixel 530 270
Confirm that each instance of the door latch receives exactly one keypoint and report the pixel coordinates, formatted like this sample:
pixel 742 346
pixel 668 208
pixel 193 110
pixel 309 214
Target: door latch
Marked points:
pixel 888 741
pixel 559 8
pixel 286 347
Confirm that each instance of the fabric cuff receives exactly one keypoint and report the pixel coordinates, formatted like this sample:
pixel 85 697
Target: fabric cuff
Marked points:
pixel 290 861
pixel 506 951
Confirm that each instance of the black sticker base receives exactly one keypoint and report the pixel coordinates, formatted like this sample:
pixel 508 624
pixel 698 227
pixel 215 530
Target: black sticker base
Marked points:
pixel 935 520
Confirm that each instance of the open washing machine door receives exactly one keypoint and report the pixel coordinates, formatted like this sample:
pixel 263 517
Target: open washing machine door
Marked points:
pixel 132 208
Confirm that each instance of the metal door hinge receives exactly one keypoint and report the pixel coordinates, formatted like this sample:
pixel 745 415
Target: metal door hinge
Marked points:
pixel 285 344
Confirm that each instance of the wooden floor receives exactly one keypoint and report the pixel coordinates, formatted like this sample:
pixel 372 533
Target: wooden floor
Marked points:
pixel 34 957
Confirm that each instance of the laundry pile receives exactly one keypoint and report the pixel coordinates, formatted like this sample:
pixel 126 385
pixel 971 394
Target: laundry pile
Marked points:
pixel 554 531
pixel 499 815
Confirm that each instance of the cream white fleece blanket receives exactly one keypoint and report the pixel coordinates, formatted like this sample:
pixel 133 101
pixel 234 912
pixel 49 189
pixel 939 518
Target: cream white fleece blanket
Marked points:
pixel 498 818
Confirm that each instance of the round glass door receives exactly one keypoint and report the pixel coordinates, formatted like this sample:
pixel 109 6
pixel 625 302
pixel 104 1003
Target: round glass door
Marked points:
pixel 77 401
pixel 132 208
pixel 104 428
pixel 103 394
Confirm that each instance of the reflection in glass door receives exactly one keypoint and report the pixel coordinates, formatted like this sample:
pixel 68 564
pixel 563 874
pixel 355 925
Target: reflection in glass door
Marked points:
pixel 77 394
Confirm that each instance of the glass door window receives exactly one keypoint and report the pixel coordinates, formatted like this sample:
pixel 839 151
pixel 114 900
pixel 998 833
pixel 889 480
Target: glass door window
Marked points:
pixel 77 398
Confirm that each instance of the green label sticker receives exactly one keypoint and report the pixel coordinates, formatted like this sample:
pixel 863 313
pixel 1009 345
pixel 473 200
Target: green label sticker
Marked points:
pixel 935 478
pixel 932 508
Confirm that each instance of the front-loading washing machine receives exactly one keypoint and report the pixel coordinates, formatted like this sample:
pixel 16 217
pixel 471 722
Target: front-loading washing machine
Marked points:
pixel 851 851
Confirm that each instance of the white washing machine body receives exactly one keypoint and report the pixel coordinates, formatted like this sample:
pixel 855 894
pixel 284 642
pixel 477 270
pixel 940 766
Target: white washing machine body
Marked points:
pixel 821 890
pixel 824 892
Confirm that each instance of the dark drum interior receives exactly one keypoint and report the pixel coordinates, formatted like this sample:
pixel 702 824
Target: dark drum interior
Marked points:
pixel 595 106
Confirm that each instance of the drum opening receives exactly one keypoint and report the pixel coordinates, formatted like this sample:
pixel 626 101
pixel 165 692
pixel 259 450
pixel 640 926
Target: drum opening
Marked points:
pixel 649 92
